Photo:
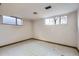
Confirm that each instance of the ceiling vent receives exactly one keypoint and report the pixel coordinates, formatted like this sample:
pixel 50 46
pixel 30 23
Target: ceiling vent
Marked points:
pixel 48 7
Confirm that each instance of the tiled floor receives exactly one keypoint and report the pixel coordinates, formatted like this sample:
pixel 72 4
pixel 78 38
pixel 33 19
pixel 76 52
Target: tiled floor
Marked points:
pixel 37 48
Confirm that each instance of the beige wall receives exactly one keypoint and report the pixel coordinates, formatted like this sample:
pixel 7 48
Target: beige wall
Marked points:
pixel 78 29
pixel 64 34
pixel 11 33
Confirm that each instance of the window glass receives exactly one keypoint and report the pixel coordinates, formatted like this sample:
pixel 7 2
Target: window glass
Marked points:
pixel 19 22
pixel 57 20
pixel 49 21
pixel 9 20
pixel 12 20
pixel 63 19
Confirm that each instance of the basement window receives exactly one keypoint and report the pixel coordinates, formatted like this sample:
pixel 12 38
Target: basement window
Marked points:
pixel 9 20
pixel 19 21
pixel 57 20
pixel 49 21
pixel 12 20
pixel 63 19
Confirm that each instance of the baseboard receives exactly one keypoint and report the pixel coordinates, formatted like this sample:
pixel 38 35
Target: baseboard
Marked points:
pixel 54 43
pixel 14 43
pixel 39 40
pixel 77 50
pixel 58 44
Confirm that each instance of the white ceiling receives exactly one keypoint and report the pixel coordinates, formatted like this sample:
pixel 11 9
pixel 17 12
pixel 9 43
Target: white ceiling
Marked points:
pixel 25 10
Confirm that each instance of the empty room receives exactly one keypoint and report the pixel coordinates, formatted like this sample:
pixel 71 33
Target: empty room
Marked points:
pixel 39 29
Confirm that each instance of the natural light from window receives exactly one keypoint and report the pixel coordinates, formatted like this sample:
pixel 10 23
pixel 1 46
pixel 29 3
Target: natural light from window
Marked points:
pixel 63 19
pixel 19 22
pixel 56 20
pixel 12 20
pixel 9 20
pixel 49 21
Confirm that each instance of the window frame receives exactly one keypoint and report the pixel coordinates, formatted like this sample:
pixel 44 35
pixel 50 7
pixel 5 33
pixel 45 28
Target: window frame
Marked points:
pixel 57 18
pixel 62 20
pixel 15 21
pixel 51 21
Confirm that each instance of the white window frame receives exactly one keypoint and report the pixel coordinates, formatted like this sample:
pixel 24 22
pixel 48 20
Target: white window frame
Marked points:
pixel 57 20
pixel 16 23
